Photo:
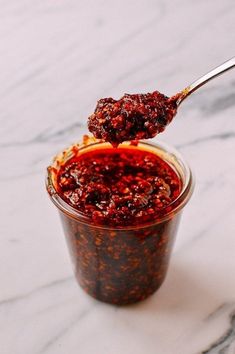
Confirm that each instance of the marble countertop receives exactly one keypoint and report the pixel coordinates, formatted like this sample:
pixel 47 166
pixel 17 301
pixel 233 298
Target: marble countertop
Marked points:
pixel 57 58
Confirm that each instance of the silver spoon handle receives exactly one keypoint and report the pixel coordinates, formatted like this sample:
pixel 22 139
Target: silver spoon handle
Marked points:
pixel 229 64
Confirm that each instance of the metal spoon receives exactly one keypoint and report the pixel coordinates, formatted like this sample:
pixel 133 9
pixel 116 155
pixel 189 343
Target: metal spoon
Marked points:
pixel 229 64
pixel 133 118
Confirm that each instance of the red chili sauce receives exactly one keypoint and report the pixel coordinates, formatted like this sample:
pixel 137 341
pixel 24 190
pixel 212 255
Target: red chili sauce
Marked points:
pixel 133 117
pixel 119 187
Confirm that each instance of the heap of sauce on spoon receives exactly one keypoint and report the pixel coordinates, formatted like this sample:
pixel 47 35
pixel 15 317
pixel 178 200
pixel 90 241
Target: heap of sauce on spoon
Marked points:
pixel 132 117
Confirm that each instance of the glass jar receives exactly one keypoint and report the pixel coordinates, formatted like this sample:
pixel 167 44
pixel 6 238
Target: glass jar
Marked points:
pixel 121 265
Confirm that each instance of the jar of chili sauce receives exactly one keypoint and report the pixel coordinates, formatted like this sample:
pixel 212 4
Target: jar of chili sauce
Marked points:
pixel 120 209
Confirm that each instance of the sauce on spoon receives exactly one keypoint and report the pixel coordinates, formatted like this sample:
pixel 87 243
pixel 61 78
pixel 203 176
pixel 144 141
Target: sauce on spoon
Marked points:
pixel 132 117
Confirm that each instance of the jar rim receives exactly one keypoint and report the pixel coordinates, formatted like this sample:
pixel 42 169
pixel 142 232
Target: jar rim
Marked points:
pixel 168 153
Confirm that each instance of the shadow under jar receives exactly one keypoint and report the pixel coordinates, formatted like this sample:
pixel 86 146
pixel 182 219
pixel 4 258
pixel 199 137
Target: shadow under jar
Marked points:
pixel 121 264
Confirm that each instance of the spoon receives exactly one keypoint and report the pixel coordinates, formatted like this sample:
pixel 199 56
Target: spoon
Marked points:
pixel 142 116
pixel 229 64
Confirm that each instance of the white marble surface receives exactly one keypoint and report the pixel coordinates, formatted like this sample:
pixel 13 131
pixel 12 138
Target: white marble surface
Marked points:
pixel 56 59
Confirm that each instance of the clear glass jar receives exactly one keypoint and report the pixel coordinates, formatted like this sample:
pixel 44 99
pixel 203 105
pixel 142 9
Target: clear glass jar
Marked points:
pixel 121 265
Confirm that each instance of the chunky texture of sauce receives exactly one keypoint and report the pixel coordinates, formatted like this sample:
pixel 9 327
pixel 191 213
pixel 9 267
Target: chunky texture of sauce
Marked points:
pixel 119 187
pixel 133 117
